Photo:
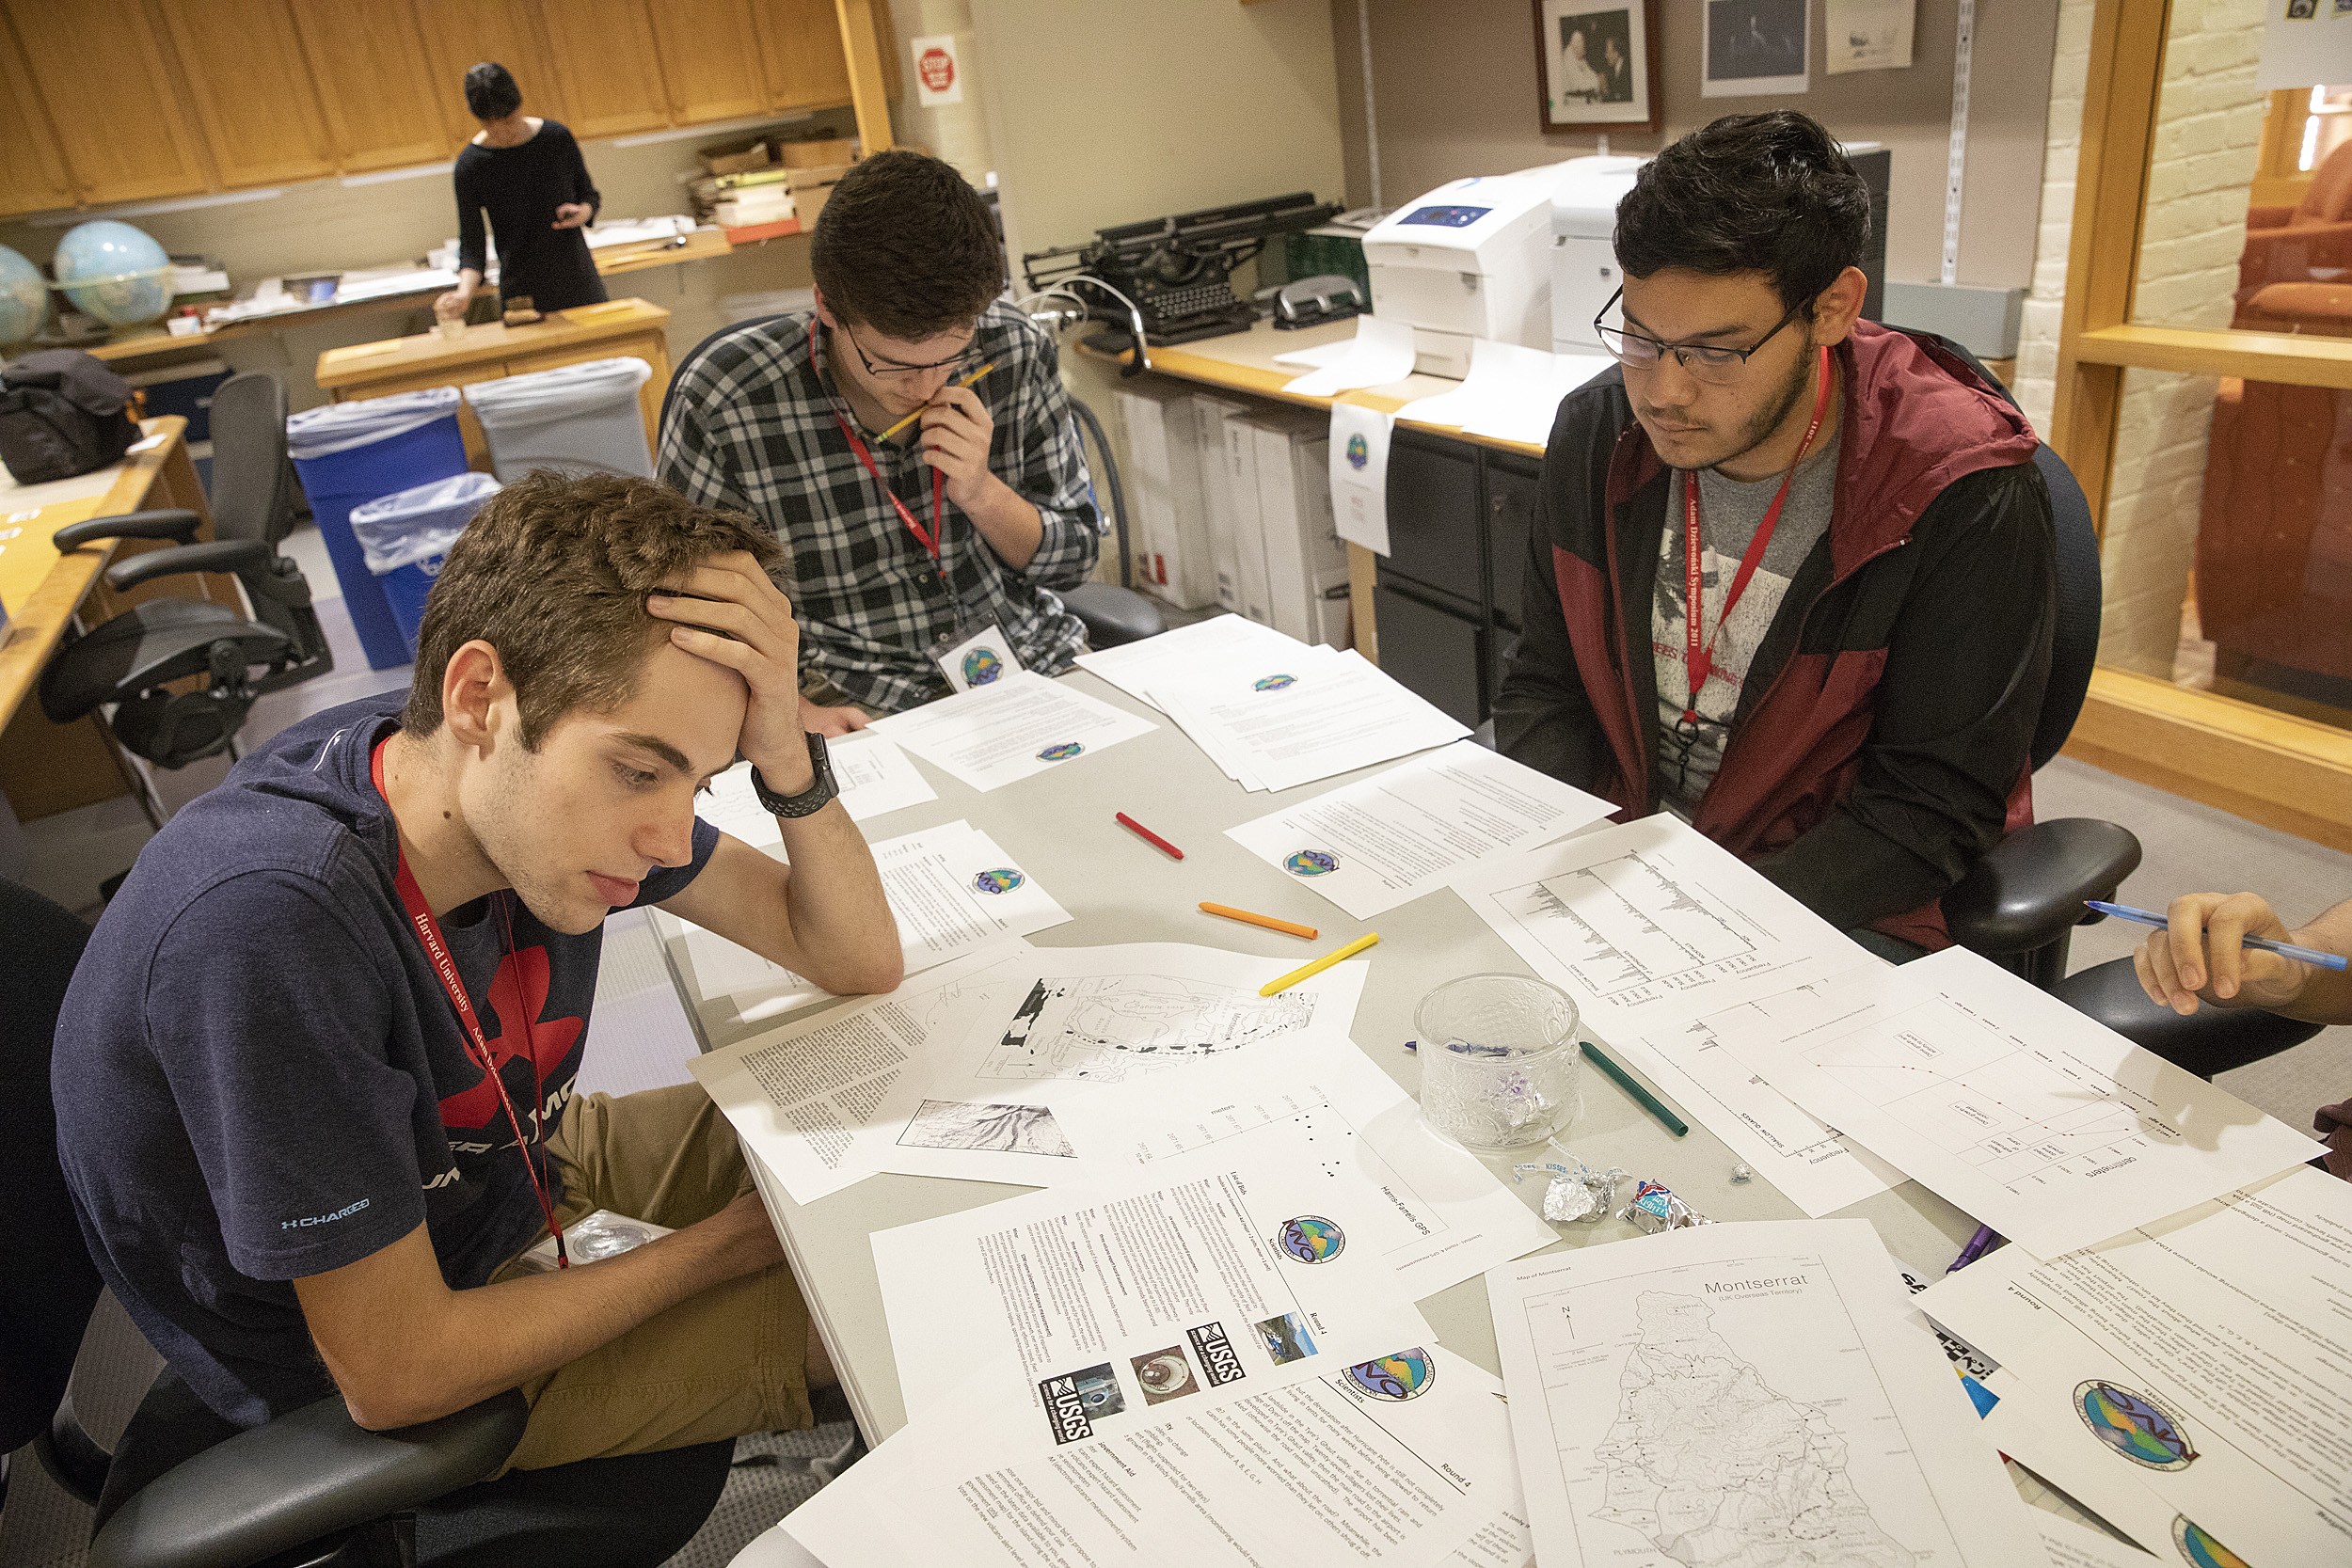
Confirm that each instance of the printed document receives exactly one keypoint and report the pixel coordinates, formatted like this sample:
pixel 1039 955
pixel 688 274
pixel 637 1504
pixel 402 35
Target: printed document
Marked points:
pixel 1386 840
pixel 1136 667
pixel 1512 392
pixel 1380 351
pixel 1020 726
pixel 2050 1128
pixel 1278 724
pixel 1360 474
pixel 1237 1265
pixel 952 888
pixel 2201 1356
pixel 1652 923
pixel 1715 1394
pixel 874 777
pixel 1404 1460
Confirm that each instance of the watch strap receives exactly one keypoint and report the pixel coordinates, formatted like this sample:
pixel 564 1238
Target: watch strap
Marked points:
pixel 820 793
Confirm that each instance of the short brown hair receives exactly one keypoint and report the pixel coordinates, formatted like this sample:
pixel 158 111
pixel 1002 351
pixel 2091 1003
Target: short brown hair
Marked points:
pixel 553 572
pixel 906 246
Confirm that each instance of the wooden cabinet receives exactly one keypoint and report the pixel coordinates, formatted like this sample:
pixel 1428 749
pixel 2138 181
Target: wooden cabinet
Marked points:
pixel 800 53
pixel 605 57
pixel 709 59
pixel 33 175
pixel 243 61
pixel 460 35
pixel 373 84
pixel 115 114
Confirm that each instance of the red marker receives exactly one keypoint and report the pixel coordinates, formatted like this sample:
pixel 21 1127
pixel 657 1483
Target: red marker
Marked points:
pixel 1141 831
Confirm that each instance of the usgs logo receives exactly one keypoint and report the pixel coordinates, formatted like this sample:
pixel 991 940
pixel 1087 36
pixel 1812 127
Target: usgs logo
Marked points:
pixel 1218 1364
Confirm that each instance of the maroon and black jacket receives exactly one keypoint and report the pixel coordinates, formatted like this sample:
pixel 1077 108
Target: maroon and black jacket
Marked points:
pixel 1880 741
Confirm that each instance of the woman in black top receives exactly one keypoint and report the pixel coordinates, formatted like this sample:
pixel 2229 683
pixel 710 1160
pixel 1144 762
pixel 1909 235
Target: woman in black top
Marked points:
pixel 528 175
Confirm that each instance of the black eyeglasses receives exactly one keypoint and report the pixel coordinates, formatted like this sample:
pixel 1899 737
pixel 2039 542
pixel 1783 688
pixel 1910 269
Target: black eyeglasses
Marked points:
pixel 871 369
pixel 1639 352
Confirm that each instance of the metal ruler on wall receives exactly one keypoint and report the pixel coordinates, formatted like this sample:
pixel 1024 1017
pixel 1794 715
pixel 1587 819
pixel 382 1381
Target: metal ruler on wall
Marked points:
pixel 1955 158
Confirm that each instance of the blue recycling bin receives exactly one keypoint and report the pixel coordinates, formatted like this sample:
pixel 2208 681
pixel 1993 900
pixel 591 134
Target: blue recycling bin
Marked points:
pixel 348 454
pixel 404 537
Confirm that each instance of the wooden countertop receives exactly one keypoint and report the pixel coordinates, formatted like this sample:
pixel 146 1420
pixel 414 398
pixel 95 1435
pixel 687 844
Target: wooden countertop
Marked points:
pixel 430 351
pixel 1243 362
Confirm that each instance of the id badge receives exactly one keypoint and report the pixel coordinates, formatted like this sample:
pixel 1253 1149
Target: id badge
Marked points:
pixel 979 660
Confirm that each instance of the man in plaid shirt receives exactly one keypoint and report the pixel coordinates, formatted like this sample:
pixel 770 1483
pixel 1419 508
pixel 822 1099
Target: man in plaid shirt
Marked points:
pixel 782 420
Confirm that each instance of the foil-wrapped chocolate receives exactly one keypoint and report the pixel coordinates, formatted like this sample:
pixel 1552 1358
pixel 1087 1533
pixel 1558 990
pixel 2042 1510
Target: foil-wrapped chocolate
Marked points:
pixel 1654 1208
pixel 1579 1196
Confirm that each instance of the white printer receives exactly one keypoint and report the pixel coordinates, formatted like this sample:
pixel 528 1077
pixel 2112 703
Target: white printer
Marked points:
pixel 1585 272
pixel 1469 259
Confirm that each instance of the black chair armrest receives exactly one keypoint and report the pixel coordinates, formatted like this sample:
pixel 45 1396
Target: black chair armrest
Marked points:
pixel 303 1476
pixel 2028 891
pixel 2210 1041
pixel 1113 615
pixel 174 524
pixel 213 555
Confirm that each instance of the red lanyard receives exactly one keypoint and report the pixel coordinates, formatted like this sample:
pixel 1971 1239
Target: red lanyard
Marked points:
pixel 928 541
pixel 1699 657
pixel 429 933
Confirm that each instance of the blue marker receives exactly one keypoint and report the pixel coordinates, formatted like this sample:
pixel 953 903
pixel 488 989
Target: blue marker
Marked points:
pixel 2285 950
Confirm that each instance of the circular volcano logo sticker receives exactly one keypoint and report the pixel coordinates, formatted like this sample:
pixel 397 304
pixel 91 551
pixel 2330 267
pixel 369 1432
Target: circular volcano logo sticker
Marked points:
pixel 1061 752
pixel 981 666
pixel 1311 863
pixel 1003 879
pixel 1310 1239
pixel 2133 1425
pixel 1274 683
pixel 1358 453
pixel 2200 1549
pixel 1405 1375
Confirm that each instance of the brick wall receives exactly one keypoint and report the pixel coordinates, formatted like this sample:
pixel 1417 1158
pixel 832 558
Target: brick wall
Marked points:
pixel 2045 302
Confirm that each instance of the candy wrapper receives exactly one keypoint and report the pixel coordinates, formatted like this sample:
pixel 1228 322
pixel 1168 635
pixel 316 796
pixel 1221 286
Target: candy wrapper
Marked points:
pixel 1582 1195
pixel 1655 1208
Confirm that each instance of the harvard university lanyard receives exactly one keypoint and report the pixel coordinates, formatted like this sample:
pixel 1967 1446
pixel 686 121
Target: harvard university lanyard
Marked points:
pixel 429 932
pixel 1699 655
pixel 930 541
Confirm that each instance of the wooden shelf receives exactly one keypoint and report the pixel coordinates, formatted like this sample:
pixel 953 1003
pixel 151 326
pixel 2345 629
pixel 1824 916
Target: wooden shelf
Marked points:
pixel 2281 356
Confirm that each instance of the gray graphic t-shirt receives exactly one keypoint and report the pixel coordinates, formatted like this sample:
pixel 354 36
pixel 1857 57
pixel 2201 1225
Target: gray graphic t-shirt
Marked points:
pixel 1730 511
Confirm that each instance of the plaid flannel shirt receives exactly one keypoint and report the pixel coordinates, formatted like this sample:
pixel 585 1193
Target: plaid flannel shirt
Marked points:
pixel 754 423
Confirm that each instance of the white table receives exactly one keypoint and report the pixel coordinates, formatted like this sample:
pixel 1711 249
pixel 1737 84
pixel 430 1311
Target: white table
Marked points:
pixel 1117 889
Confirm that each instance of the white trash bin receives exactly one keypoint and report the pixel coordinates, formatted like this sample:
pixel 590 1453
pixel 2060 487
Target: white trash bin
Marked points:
pixel 574 419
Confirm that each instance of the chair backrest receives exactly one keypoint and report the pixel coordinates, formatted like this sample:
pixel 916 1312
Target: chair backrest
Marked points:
pixel 252 492
pixel 50 1285
pixel 695 353
pixel 2330 198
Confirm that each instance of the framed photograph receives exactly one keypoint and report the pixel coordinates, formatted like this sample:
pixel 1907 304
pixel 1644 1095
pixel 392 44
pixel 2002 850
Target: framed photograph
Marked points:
pixel 1755 47
pixel 1597 66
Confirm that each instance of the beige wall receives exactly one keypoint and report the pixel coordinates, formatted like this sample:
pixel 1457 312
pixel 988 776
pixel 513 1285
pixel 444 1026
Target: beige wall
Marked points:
pixel 1455 89
pixel 955 132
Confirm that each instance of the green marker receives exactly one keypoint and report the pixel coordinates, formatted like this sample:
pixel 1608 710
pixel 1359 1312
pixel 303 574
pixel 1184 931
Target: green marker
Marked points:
pixel 1649 1101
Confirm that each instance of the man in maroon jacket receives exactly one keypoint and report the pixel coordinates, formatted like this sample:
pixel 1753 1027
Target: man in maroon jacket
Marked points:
pixel 1851 706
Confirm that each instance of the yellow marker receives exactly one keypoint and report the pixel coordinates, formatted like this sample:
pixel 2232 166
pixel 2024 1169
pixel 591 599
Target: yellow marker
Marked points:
pixel 1320 964
pixel 926 408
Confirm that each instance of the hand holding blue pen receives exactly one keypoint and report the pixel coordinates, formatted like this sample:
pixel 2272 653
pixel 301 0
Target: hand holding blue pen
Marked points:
pixel 2211 946
pixel 2284 949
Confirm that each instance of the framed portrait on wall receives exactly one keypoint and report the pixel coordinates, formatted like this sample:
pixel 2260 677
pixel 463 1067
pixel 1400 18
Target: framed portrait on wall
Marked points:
pixel 1596 65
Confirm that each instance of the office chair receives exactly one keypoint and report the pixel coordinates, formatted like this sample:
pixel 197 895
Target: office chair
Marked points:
pixel 130 659
pixel 184 1488
pixel 2210 1041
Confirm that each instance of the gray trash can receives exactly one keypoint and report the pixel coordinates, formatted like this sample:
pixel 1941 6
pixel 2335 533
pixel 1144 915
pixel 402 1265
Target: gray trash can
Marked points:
pixel 406 535
pixel 574 419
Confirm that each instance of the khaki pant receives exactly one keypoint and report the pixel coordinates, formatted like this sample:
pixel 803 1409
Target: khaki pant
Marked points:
pixel 730 1360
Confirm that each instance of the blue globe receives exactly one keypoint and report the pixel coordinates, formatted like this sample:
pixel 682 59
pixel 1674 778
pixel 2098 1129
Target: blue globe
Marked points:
pixel 117 273
pixel 23 297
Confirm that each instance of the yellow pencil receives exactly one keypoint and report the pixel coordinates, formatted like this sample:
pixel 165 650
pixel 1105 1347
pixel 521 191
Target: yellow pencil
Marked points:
pixel 1320 964
pixel 926 408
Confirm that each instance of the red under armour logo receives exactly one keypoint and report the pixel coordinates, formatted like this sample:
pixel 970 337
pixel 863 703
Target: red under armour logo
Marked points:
pixel 519 992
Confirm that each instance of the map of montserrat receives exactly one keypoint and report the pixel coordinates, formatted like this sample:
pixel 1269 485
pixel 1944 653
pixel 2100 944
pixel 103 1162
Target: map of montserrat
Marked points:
pixel 1717 1470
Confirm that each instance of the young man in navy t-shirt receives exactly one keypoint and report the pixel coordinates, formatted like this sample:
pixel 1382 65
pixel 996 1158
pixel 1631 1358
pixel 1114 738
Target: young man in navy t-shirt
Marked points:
pixel 289 1159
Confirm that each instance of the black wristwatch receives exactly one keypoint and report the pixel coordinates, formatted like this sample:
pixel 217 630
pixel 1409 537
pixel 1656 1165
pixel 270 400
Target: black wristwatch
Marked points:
pixel 810 801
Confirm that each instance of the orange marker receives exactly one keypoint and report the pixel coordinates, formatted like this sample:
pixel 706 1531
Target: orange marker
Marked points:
pixel 1265 920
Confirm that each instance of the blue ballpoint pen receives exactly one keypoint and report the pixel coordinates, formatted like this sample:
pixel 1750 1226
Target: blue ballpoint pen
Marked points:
pixel 2284 949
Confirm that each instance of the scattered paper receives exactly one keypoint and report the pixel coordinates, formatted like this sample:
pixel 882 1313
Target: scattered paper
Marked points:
pixel 1512 392
pixel 2005 1101
pixel 1277 724
pixel 1133 667
pixel 1745 1385
pixel 2200 1358
pixel 1406 1458
pixel 1018 726
pixel 1653 923
pixel 952 890
pixel 1318 355
pixel 639 1034
pixel 1381 352
pixel 874 777
pixel 1359 475
pixel 1420 826
pixel 2073 1546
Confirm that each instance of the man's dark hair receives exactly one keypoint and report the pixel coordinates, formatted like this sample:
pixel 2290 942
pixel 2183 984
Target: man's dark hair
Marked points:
pixel 906 246
pixel 491 92
pixel 1767 193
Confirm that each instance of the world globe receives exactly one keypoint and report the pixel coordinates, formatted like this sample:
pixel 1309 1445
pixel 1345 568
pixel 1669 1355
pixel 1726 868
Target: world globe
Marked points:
pixel 23 297
pixel 115 272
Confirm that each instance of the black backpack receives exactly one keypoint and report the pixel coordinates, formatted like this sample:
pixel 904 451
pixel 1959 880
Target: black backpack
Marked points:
pixel 63 412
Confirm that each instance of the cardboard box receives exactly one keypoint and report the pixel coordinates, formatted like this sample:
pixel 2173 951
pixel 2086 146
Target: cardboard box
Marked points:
pixel 815 154
pixel 815 175
pixel 734 157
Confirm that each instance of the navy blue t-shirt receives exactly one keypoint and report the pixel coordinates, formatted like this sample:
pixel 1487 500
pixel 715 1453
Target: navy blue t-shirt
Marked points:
pixel 259 1076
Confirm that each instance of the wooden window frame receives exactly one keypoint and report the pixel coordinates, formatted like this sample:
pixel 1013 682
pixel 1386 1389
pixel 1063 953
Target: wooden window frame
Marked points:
pixel 2271 768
